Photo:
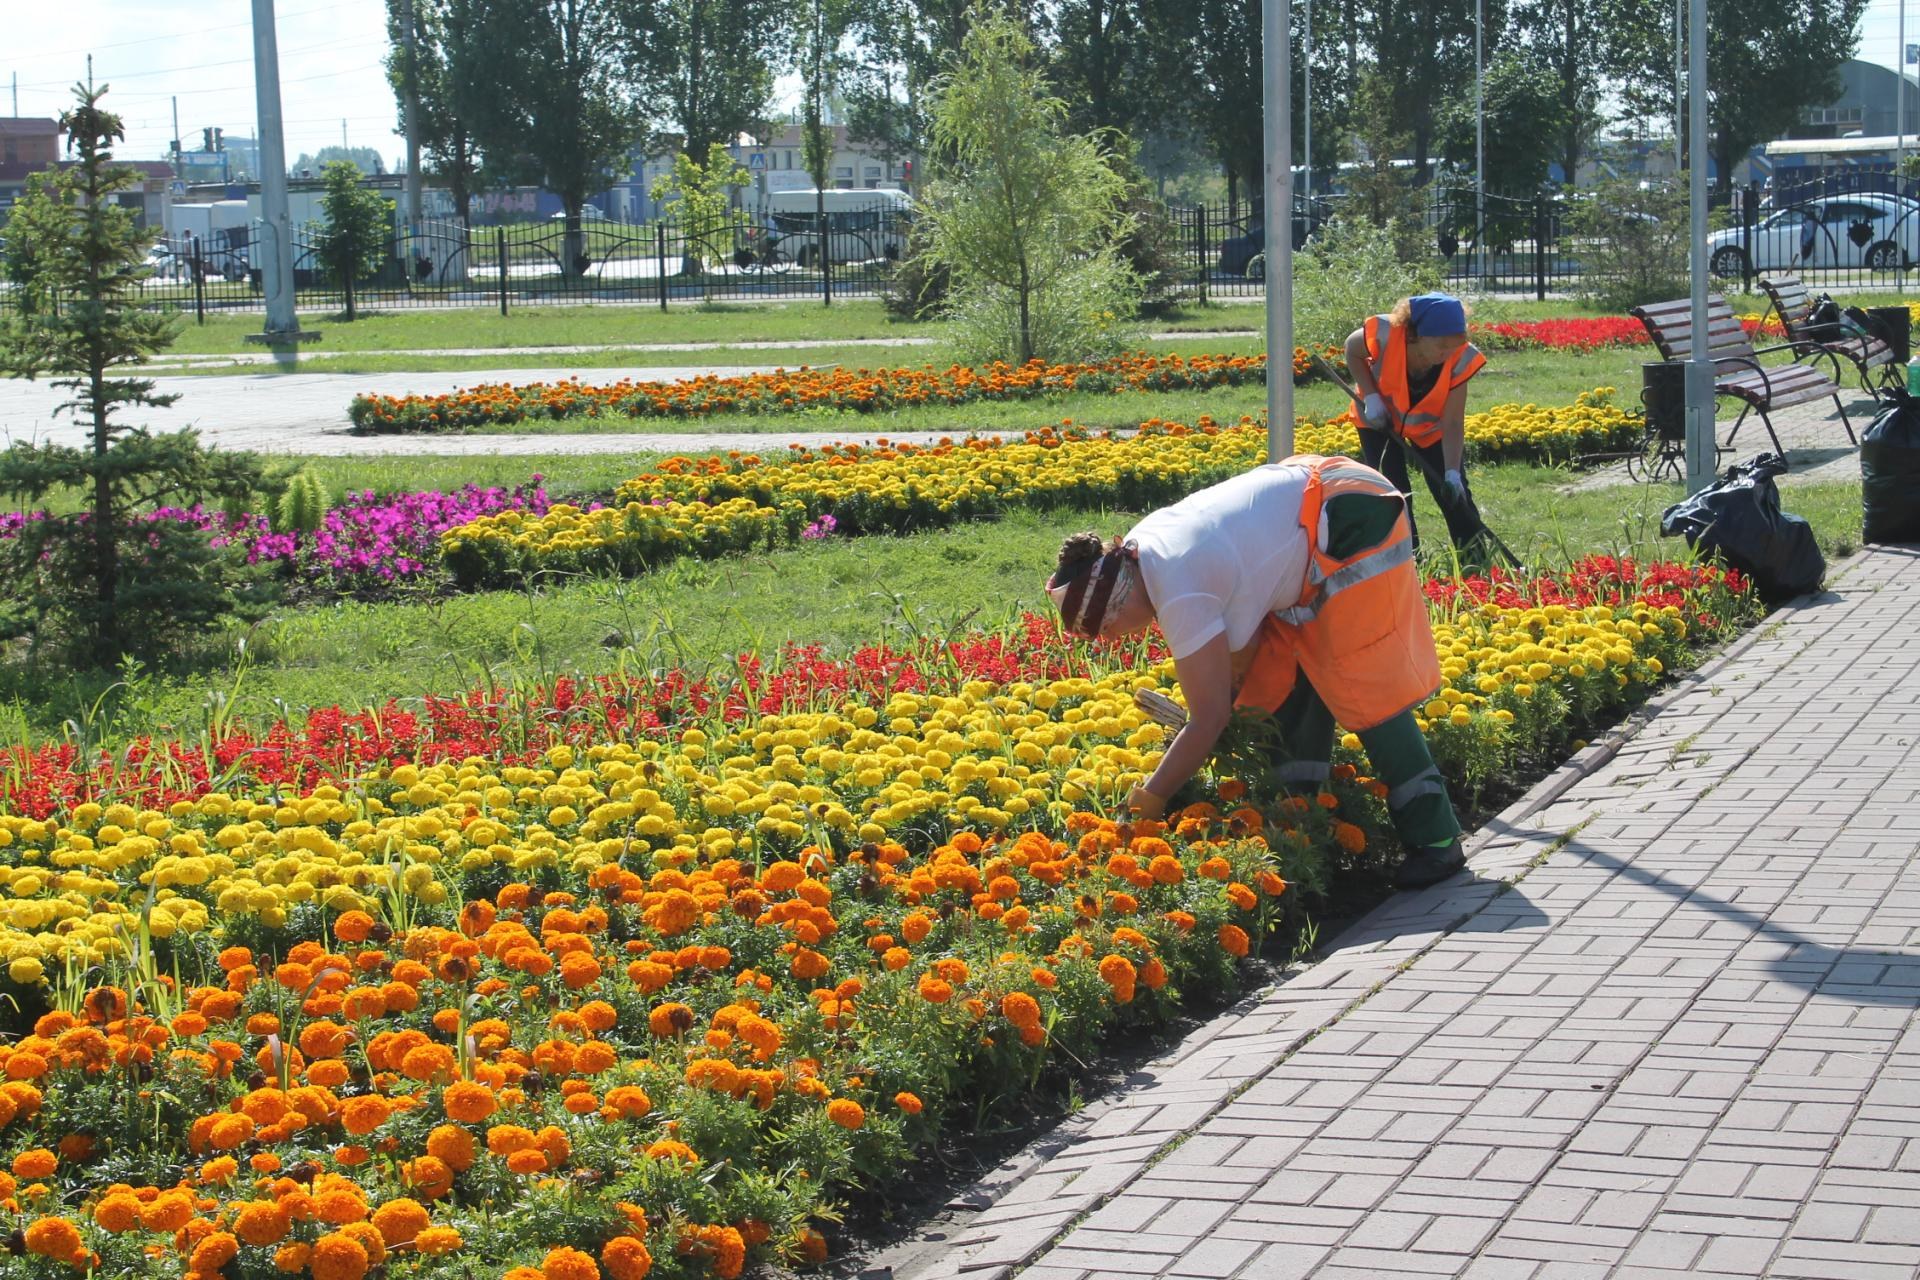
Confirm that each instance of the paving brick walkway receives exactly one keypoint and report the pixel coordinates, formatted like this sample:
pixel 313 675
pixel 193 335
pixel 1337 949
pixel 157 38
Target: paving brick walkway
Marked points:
pixel 1681 1042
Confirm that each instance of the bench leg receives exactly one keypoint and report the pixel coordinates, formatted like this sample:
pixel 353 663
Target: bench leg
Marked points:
pixel 1745 409
pixel 1767 422
pixel 1844 420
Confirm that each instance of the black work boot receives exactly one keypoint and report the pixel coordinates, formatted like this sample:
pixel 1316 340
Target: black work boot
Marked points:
pixel 1430 865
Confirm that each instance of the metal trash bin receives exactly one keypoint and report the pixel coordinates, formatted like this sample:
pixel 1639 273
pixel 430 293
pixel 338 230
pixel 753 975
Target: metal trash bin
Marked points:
pixel 1663 393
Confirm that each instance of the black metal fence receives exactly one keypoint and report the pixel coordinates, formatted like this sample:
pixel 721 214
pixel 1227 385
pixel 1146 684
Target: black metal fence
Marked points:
pixel 1858 229
pixel 1855 229
pixel 1496 244
pixel 849 253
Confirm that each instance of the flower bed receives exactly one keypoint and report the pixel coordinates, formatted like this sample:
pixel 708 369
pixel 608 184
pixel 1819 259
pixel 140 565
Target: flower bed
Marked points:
pixel 643 975
pixel 1574 333
pixel 367 542
pixel 787 390
pixel 719 505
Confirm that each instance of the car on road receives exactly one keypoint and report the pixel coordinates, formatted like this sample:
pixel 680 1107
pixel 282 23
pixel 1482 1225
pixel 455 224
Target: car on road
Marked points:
pixel 588 213
pixel 1246 253
pixel 863 225
pixel 1869 230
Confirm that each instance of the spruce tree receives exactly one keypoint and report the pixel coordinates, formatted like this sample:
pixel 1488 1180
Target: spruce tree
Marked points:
pixel 106 581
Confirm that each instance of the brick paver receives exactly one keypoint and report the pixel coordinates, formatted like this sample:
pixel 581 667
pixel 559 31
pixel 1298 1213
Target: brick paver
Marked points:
pixel 1681 1042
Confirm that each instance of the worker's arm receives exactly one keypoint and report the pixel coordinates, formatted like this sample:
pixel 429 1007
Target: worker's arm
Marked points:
pixel 1453 428
pixel 1206 678
pixel 1374 406
pixel 1359 367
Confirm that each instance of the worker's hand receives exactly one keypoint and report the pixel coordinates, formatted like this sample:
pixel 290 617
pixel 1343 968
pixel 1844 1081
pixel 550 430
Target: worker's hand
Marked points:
pixel 1457 484
pixel 1374 410
pixel 1145 805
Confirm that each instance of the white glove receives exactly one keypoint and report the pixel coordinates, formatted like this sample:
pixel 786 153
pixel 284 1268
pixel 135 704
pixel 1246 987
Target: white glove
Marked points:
pixel 1374 410
pixel 1455 483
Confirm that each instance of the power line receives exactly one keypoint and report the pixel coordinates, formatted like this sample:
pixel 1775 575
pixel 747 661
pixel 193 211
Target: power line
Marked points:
pixel 172 35
pixel 197 66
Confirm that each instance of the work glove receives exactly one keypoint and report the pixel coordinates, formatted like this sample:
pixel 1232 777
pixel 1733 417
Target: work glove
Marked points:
pixel 1457 485
pixel 1374 410
pixel 1146 806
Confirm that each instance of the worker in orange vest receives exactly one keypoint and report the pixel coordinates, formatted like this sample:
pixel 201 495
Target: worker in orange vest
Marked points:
pixel 1411 366
pixel 1290 589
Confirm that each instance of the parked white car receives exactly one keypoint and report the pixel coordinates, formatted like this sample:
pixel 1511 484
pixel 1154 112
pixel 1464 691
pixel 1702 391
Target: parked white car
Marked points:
pixel 1870 230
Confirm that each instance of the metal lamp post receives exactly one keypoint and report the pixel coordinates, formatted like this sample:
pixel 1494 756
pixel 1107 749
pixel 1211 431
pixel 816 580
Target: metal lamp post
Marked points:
pixel 1277 118
pixel 1479 146
pixel 1700 431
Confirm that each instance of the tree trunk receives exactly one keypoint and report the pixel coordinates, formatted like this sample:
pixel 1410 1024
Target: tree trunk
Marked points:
pixel 106 549
pixel 573 242
pixel 1026 316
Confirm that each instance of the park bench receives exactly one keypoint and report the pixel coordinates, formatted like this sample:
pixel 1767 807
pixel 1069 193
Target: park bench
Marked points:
pixel 1870 357
pixel 1737 371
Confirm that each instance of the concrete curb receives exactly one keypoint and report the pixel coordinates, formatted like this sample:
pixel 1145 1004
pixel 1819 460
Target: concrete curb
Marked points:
pixel 1035 1198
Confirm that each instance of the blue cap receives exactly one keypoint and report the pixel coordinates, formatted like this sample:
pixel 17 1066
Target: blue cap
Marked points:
pixel 1437 315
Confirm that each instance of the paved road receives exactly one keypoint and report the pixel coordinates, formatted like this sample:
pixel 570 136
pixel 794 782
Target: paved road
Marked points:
pixel 307 413
pixel 1681 1043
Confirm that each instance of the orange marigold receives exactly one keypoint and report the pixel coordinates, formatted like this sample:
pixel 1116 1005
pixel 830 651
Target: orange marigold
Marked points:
pixel 438 1240
pixel 338 1256
pixel 846 1113
pixel 569 1264
pixel 399 1221
pixel 58 1239
pixel 908 1102
pixel 627 1258
pixel 468 1101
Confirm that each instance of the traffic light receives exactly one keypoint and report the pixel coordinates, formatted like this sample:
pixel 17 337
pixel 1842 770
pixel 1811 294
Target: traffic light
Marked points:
pixel 206 139
pixel 219 139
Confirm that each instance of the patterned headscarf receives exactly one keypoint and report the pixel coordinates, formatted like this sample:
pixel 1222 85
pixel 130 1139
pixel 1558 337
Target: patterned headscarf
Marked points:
pixel 1095 591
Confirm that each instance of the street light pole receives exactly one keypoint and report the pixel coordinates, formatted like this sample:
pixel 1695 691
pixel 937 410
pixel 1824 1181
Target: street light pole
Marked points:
pixel 414 177
pixel 276 231
pixel 1700 428
pixel 1679 86
pixel 1277 118
pixel 1900 100
pixel 1306 63
pixel 1479 146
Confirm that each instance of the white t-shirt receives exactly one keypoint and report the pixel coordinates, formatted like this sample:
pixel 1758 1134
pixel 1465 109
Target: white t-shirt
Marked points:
pixel 1220 560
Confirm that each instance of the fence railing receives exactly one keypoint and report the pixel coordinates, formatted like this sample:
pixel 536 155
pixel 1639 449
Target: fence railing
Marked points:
pixel 1858 229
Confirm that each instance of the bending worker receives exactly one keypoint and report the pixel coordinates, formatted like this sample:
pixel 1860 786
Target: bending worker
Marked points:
pixel 1412 367
pixel 1291 589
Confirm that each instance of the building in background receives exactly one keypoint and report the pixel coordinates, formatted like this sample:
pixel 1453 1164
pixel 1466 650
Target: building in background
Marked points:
pixel 28 144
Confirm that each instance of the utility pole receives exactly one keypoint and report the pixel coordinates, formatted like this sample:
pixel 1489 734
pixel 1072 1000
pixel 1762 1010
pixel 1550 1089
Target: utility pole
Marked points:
pixel 1700 428
pixel 1900 100
pixel 1306 64
pixel 16 99
pixel 276 230
pixel 1277 120
pixel 1480 144
pixel 413 121
pixel 176 137
pixel 1679 87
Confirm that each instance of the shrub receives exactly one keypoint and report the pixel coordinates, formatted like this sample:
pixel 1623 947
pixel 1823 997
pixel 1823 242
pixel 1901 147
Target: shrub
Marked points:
pixel 1632 243
pixel 1348 272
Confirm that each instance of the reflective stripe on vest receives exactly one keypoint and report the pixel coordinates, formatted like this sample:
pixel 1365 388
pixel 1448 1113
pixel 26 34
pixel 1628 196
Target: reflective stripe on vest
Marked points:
pixel 1371 564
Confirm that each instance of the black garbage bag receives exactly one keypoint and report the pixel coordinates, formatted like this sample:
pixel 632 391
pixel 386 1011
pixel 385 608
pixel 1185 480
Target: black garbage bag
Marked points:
pixel 1738 519
pixel 1890 470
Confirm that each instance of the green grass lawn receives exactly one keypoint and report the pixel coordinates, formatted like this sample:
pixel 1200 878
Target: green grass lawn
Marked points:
pixel 695 614
pixel 562 326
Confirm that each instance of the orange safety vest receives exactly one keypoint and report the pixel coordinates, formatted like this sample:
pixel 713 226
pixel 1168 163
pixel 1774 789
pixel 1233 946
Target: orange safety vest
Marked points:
pixel 1360 629
pixel 1417 424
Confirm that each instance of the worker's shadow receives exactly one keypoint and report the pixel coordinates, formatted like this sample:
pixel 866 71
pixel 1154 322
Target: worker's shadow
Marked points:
pixel 1846 974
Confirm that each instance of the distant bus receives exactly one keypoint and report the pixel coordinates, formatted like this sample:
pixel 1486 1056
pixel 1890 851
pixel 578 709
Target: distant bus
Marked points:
pixel 861 225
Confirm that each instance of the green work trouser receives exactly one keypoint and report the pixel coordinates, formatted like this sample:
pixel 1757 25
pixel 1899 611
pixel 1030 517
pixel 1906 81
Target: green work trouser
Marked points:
pixel 1416 793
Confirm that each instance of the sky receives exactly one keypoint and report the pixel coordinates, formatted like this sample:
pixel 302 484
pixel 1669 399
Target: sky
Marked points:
pixel 331 79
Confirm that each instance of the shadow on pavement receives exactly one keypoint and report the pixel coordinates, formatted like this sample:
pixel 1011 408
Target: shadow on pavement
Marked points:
pixel 1856 975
